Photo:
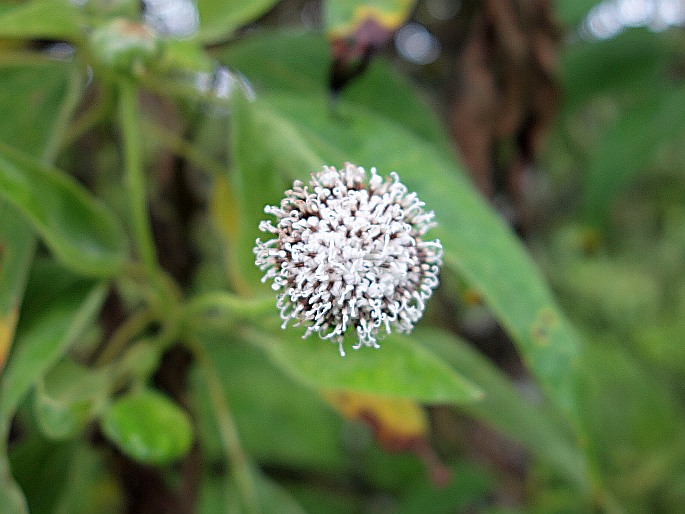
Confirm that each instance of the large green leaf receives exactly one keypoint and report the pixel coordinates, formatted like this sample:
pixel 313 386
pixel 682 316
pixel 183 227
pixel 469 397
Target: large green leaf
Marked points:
pixel 148 427
pixel 40 342
pixel 300 62
pixel 11 497
pixel 477 243
pixel 468 487
pixel 217 496
pixel 637 56
pixel 69 396
pixel 16 250
pixel 292 61
pixel 636 427
pixel 219 19
pixel 40 19
pixel 262 400
pixel 17 243
pixel 39 466
pixel 65 477
pixel 399 369
pixel 79 229
pixel 44 86
pixel 43 339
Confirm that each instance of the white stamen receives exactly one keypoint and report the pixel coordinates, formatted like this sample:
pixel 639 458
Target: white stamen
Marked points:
pixel 349 252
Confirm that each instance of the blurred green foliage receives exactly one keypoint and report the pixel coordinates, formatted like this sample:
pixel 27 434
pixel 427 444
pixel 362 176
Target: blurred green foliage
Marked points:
pixel 97 101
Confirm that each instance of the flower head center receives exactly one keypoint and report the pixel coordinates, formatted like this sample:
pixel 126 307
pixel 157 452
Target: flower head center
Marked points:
pixel 350 252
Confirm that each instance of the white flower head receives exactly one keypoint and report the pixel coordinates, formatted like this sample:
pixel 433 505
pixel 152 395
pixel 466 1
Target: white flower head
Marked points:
pixel 349 251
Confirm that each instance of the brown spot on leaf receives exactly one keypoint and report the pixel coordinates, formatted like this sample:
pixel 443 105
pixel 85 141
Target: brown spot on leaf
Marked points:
pixel 544 323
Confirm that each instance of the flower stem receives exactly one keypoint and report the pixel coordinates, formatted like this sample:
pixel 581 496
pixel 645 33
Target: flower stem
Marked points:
pixel 135 177
pixel 71 101
pixel 182 148
pixel 227 306
pixel 240 465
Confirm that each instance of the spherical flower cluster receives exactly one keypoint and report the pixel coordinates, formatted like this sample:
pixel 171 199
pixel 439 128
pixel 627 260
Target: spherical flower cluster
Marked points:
pixel 348 251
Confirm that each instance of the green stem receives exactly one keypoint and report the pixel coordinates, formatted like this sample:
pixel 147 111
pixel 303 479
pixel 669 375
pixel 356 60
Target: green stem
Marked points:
pixel 181 90
pixel 73 97
pixel 240 465
pixel 227 306
pixel 183 149
pixel 95 114
pixel 135 177
pixel 128 330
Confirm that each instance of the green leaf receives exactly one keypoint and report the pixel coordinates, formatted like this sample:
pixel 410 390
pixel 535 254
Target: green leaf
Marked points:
pixel 343 17
pixel 371 91
pixel 43 340
pixel 262 400
pixel 637 56
pixel 648 127
pixel 217 498
pixel 399 369
pixel 635 424
pixel 17 243
pixel 478 244
pixel 219 19
pixel 91 486
pixel 287 60
pixel 11 497
pixel 468 487
pixel 40 468
pixel 41 19
pixel 148 427
pixel 80 230
pixel 44 86
pixel 68 398
pixel 39 344
pixel 504 408
pixel 65 478
pixel 572 12
pixel 300 62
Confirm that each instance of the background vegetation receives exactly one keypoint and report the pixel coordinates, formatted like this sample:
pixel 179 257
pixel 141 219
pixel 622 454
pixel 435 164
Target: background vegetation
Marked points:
pixel 143 364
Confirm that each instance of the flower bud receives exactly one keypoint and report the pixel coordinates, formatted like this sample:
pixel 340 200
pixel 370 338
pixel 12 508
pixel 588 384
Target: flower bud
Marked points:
pixel 124 46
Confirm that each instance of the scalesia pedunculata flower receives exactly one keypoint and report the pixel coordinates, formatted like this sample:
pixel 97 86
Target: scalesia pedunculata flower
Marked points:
pixel 348 250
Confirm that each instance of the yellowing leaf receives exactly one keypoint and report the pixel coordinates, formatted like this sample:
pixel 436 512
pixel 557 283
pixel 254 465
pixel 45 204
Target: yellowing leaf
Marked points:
pixel 226 218
pixel 400 425
pixel 345 17
pixel 396 422
pixel 7 325
pixel 358 29
pixel 223 209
